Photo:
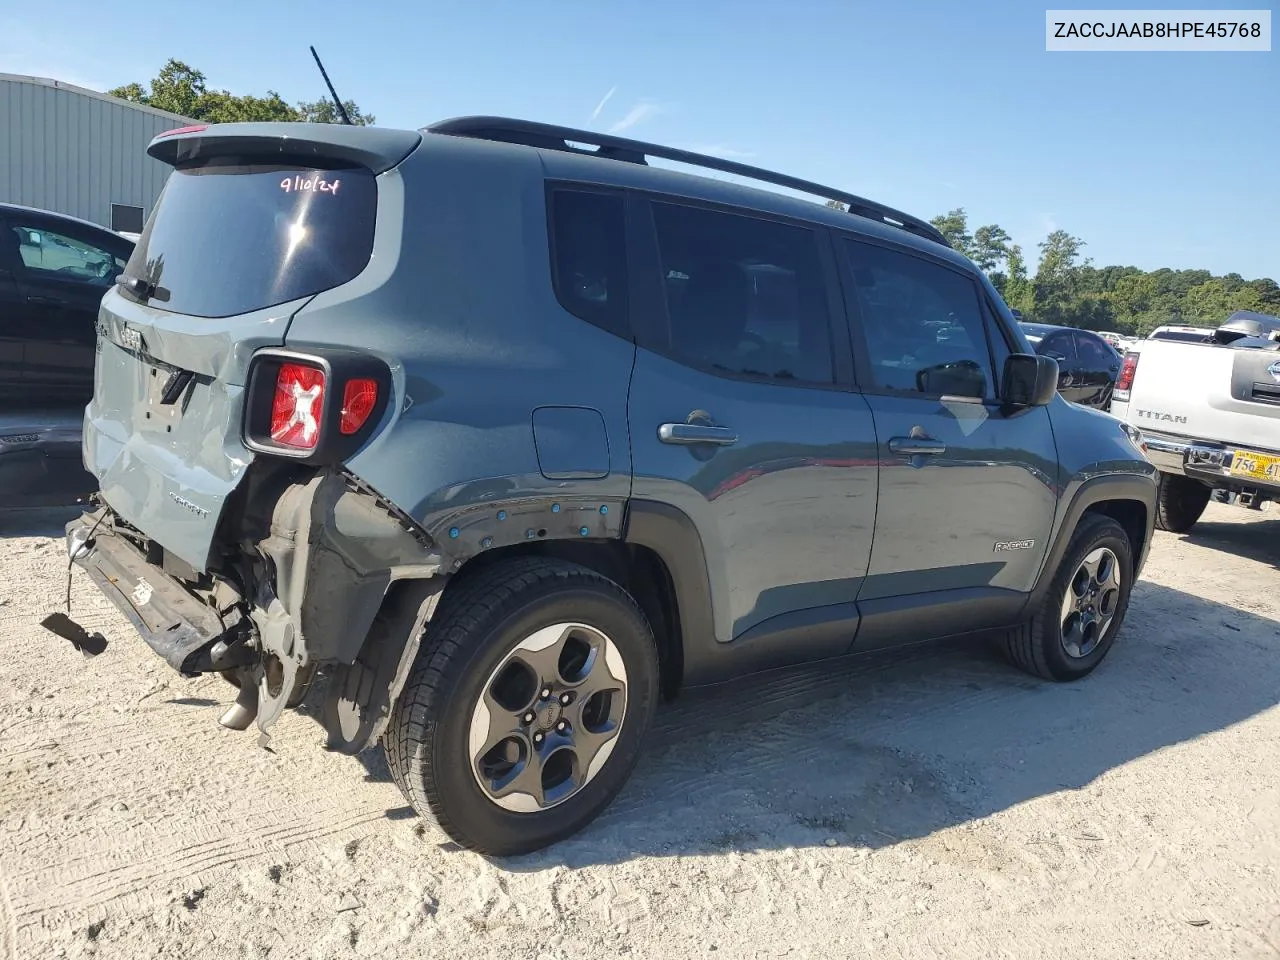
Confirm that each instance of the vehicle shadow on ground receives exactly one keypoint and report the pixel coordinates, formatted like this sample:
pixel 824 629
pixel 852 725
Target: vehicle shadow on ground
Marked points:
pixel 872 751
pixel 37 521
pixel 1258 541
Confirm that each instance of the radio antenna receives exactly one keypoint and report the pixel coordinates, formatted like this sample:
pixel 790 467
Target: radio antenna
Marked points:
pixel 342 111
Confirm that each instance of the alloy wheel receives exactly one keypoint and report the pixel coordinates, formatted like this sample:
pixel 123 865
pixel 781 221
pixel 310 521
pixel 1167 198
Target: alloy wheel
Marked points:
pixel 1090 602
pixel 548 717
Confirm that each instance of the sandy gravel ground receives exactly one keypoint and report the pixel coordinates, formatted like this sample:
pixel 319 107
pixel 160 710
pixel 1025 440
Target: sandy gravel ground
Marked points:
pixel 939 804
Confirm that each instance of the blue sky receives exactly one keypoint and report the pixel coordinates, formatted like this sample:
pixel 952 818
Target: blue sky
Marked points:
pixel 1155 159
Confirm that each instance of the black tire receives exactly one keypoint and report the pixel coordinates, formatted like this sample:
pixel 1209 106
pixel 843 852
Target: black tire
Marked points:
pixel 1037 646
pixel 479 622
pixel 1179 502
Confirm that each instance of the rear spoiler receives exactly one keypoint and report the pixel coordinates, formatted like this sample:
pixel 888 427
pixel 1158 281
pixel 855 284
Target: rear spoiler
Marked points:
pixel 371 147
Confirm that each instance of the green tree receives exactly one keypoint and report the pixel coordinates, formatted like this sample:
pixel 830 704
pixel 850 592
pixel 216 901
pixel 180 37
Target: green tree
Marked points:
pixel 323 111
pixel 1013 283
pixel 1057 281
pixel 181 89
pixel 990 247
pixel 955 227
pixel 1068 289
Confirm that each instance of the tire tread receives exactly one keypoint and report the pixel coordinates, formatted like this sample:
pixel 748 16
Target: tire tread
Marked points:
pixel 1180 502
pixel 462 615
pixel 1026 644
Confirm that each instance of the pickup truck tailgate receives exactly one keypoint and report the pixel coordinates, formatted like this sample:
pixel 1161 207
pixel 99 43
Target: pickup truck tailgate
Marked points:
pixel 1208 392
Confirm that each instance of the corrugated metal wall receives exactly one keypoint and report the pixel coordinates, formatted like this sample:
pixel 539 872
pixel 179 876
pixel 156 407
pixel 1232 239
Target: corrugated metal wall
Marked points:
pixel 67 150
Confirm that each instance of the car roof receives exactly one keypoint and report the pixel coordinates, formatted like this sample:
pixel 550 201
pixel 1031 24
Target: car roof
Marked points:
pixel 382 149
pixel 692 186
pixel 1041 327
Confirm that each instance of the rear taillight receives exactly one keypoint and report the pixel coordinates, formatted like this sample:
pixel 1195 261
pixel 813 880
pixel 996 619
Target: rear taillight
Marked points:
pixel 359 397
pixel 297 405
pixel 316 407
pixel 1124 382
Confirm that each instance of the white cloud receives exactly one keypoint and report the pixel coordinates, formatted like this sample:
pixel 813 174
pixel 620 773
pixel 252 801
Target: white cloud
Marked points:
pixel 595 114
pixel 637 114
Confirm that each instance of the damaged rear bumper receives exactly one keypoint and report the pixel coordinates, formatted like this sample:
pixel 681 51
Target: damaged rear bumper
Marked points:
pixel 313 562
pixel 190 635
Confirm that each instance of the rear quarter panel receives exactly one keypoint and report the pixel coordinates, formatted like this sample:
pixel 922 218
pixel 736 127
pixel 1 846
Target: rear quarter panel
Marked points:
pixel 468 321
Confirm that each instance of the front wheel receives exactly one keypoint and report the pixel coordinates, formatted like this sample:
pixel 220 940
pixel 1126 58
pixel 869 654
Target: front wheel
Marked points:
pixel 1080 614
pixel 527 707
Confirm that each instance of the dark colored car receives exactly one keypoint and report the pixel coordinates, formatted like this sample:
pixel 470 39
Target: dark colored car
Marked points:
pixel 54 270
pixel 510 437
pixel 1087 364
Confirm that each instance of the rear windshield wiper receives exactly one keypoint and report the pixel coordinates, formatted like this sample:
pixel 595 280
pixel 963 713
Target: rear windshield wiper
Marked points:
pixel 143 289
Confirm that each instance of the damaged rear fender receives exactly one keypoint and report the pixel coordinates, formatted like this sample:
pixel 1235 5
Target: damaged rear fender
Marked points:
pixel 336 549
pixel 358 582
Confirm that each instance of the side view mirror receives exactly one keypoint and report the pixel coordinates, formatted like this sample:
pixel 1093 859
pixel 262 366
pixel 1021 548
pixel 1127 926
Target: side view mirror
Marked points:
pixel 1030 380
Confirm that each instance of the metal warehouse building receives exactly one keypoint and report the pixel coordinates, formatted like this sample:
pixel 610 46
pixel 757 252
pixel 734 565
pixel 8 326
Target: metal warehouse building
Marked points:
pixel 79 152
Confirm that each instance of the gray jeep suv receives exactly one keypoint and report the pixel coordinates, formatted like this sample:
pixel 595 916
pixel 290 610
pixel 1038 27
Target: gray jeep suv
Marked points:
pixel 490 435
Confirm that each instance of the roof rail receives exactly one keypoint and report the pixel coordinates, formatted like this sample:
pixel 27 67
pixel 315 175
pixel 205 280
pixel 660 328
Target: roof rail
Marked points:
pixel 551 137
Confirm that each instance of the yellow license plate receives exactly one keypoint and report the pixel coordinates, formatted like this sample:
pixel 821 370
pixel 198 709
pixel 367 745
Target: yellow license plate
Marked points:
pixel 1258 466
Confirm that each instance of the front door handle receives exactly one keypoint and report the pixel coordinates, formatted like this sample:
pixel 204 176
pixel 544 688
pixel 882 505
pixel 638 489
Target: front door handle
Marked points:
pixel 690 433
pixel 47 301
pixel 916 446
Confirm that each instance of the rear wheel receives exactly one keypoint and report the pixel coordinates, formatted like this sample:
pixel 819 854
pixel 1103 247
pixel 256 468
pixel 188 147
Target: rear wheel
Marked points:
pixel 1179 502
pixel 1076 622
pixel 527 707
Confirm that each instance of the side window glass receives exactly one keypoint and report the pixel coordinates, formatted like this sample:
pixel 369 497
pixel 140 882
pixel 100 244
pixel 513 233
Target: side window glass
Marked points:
pixel 922 324
pixel 1059 346
pixel 744 296
pixel 1094 354
pixel 589 257
pixel 53 255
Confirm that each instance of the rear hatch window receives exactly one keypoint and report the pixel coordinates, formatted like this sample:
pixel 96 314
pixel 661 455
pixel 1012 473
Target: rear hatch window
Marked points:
pixel 229 237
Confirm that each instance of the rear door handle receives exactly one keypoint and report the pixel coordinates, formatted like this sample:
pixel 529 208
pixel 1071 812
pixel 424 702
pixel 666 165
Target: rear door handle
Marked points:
pixel 690 433
pixel 47 301
pixel 916 446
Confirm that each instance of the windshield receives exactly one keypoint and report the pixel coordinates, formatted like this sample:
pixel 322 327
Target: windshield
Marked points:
pixel 229 238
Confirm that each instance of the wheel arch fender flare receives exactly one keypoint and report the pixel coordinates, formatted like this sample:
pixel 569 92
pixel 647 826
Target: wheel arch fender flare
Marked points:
pixel 1091 494
pixel 674 538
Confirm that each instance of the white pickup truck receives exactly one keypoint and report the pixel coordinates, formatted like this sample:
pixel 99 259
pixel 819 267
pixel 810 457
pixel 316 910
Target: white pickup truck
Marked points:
pixel 1210 415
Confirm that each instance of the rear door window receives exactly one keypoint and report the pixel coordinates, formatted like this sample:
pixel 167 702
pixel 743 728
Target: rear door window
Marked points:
pixel 745 297
pixel 1095 354
pixel 1060 346
pixel 228 238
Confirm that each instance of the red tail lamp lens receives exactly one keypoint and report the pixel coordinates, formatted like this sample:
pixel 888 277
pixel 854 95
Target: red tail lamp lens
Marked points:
pixel 295 410
pixel 1128 369
pixel 358 399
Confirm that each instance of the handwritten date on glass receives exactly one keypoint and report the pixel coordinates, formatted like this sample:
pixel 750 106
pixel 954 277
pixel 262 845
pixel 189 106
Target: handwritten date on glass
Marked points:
pixel 316 184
